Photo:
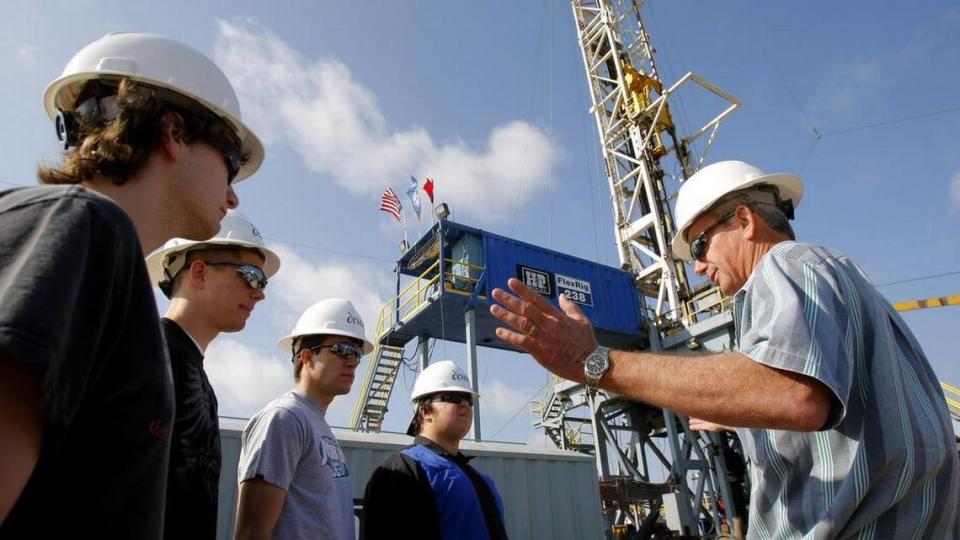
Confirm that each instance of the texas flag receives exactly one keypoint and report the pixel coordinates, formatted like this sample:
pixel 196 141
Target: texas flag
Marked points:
pixel 428 187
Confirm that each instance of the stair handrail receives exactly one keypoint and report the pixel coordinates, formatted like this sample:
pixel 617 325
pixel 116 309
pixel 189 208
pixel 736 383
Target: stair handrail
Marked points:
pixel 386 313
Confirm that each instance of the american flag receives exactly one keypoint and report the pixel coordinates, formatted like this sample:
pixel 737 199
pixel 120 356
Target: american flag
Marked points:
pixel 390 203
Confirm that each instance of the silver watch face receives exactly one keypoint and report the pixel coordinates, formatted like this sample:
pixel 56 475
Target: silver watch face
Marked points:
pixel 596 364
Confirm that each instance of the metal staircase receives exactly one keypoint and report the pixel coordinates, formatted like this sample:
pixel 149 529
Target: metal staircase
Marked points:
pixel 550 414
pixel 385 364
pixel 383 374
pixel 552 420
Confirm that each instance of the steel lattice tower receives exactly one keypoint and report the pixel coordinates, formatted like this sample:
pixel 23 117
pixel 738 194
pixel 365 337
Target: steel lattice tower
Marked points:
pixel 646 161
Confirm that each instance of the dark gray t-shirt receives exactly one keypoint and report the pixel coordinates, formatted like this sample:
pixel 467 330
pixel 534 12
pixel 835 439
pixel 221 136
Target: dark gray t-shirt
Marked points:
pixel 885 465
pixel 290 444
pixel 76 303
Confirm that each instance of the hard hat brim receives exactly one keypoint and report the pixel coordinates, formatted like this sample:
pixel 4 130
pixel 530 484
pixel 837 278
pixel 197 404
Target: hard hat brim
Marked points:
pixel 457 389
pixel 285 343
pixel 790 186
pixel 154 261
pixel 413 421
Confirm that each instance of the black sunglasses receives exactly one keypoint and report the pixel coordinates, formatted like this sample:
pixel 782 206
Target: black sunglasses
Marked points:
pixel 231 156
pixel 453 397
pixel 343 349
pixel 698 248
pixel 253 275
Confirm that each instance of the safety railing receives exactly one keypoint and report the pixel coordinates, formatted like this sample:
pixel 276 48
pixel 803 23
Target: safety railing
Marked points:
pixel 702 306
pixel 386 313
pixel 417 292
pixel 458 278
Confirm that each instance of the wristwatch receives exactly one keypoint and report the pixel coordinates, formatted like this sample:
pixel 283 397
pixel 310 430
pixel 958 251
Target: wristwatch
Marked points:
pixel 595 365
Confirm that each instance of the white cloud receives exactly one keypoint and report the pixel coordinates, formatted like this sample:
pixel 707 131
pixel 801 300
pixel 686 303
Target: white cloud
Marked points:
pixel 955 192
pixel 336 126
pixel 501 400
pixel 301 283
pixel 245 379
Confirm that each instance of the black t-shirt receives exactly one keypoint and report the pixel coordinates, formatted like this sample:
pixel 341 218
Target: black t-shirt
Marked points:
pixel 194 477
pixel 76 303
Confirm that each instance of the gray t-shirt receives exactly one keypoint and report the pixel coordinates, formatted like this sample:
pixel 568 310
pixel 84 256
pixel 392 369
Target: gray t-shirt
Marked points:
pixel 885 465
pixel 290 444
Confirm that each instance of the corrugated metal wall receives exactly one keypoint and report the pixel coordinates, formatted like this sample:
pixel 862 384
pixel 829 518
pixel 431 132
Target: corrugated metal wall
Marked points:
pixel 547 493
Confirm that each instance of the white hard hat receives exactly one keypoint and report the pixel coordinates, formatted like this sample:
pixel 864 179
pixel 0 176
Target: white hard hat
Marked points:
pixel 711 183
pixel 161 62
pixel 235 230
pixel 331 316
pixel 442 376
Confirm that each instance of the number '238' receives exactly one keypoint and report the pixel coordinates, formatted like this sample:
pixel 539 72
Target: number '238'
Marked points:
pixel 576 296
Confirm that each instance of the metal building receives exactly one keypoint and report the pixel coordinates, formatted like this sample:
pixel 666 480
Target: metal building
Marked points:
pixel 547 493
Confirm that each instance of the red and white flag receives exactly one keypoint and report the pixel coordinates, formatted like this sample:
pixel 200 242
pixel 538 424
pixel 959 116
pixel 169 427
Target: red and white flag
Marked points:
pixel 390 203
pixel 428 187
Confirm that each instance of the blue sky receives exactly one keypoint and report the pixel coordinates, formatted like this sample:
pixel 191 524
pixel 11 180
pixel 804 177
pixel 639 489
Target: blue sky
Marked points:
pixel 489 99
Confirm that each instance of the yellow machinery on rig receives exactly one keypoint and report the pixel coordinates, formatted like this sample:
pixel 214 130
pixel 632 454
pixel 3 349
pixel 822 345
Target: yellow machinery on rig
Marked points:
pixel 938 301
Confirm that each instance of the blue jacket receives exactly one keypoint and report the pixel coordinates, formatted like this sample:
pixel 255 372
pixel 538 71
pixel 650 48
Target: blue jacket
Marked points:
pixel 426 493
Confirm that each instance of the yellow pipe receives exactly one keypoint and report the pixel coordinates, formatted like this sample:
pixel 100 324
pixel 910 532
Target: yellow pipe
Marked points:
pixel 940 301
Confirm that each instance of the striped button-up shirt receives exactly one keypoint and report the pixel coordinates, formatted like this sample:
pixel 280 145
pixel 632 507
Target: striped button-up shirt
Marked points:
pixel 885 464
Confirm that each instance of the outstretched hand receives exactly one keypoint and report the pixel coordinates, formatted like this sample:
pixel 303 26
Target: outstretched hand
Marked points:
pixel 558 340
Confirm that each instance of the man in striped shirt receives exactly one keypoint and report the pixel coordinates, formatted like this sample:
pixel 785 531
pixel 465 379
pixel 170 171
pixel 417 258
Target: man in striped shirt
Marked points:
pixel 839 412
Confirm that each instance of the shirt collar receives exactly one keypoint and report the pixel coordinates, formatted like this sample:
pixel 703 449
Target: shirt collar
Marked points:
pixel 302 397
pixel 423 441
pixel 184 330
pixel 778 246
pixel 195 342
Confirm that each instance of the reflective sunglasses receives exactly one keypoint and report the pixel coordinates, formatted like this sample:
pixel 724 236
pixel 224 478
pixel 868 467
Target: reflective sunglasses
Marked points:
pixel 231 156
pixel 698 248
pixel 253 275
pixel 343 349
pixel 453 397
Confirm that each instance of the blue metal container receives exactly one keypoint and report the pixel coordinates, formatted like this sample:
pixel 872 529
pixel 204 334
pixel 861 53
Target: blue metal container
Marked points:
pixel 606 295
pixel 470 263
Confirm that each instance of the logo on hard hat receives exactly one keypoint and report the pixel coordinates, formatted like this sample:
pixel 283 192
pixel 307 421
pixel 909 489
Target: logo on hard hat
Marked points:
pixel 353 319
pixel 254 231
pixel 457 376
